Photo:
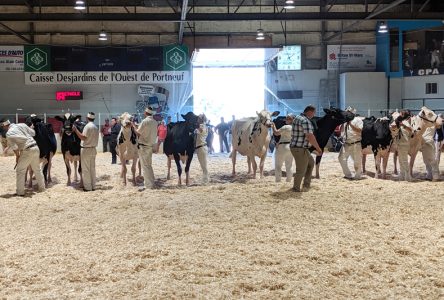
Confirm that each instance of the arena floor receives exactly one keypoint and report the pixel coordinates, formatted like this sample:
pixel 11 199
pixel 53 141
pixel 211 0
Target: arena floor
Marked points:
pixel 241 238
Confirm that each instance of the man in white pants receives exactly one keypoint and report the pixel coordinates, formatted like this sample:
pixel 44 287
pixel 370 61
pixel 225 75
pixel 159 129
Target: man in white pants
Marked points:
pixel 429 153
pixel 405 132
pixel 88 153
pixel 351 133
pixel 283 153
pixel 147 134
pixel 20 140
pixel 201 146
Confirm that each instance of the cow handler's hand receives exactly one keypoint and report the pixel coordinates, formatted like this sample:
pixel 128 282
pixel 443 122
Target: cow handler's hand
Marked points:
pixel 318 152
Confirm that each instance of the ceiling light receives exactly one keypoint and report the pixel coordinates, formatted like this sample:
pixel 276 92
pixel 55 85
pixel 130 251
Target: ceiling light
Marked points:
pixel 80 5
pixel 289 4
pixel 260 35
pixel 382 28
pixel 103 36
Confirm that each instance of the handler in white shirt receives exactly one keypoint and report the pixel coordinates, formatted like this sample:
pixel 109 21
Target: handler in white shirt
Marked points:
pixel 201 146
pixel 20 140
pixel 147 134
pixel 283 153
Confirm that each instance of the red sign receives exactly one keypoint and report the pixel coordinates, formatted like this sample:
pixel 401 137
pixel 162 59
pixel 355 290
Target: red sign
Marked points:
pixel 69 95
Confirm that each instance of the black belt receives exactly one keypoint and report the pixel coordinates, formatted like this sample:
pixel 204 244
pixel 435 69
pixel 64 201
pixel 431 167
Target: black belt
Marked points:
pixel 200 146
pixel 353 143
pixel 283 143
pixel 30 146
pixel 142 145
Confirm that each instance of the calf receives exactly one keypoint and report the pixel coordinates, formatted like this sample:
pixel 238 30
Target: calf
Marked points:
pixel 127 146
pixel 250 138
pixel 179 143
pixel 71 144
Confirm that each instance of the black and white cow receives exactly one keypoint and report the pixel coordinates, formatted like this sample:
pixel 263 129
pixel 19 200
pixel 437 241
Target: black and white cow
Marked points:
pixel 250 138
pixel 71 144
pixel 47 143
pixel 377 136
pixel 179 143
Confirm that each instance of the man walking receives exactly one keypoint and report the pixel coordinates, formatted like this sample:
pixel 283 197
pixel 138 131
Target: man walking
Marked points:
pixel 147 133
pixel 302 138
pixel 20 139
pixel 115 130
pixel 88 153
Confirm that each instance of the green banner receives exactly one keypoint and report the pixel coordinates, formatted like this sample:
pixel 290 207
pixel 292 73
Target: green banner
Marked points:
pixel 175 58
pixel 37 58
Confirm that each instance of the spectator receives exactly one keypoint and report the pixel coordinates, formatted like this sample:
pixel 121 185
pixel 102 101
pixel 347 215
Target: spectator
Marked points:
pixel 115 130
pixel 210 138
pixel 161 134
pixel 222 130
pixel 106 135
pixel 201 146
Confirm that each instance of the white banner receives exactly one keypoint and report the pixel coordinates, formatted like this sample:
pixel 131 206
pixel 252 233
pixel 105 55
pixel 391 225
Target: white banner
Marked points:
pixel 11 58
pixel 351 57
pixel 48 78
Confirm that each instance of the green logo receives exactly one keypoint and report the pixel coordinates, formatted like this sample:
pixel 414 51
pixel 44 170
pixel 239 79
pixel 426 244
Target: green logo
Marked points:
pixel 36 59
pixel 175 58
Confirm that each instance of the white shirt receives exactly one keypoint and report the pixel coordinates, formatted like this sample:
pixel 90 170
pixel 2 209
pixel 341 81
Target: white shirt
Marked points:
pixel 20 136
pixel 92 135
pixel 404 138
pixel 428 135
pixel 201 137
pixel 148 131
pixel 285 132
pixel 350 135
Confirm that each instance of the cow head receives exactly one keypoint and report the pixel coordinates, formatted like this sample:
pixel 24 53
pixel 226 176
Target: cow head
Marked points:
pixel 68 121
pixel 126 119
pixel 265 117
pixel 191 119
pixel 341 116
pixel 426 118
pixel 32 120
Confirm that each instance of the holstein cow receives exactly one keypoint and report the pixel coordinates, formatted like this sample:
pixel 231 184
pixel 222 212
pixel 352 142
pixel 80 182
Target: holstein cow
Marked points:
pixel 420 122
pixel 377 136
pixel 46 141
pixel 71 144
pixel 179 143
pixel 250 138
pixel 127 146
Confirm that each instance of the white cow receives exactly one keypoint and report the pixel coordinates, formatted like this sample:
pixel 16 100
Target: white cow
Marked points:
pixel 250 138
pixel 127 146
pixel 420 123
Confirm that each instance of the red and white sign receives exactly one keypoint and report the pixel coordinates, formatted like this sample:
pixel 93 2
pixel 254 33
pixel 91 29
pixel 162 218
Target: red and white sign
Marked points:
pixel 69 95
pixel 11 58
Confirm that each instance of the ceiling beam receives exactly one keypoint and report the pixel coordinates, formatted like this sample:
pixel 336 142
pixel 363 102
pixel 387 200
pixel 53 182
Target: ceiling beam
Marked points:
pixel 183 17
pixel 15 33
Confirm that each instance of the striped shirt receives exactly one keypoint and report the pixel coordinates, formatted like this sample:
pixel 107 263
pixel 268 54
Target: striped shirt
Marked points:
pixel 301 126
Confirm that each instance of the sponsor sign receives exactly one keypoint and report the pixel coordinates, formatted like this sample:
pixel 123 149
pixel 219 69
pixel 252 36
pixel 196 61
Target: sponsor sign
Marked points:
pixel 145 90
pixel 424 72
pixel 11 58
pixel 175 58
pixel 37 58
pixel 351 57
pixel 48 78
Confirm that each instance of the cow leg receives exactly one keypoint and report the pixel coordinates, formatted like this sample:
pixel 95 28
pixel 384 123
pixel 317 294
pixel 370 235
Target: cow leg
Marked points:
pixel 187 169
pixel 169 167
pixel 395 162
pixel 51 155
pixel 364 159
pixel 384 164
pixel 123 171
pixel 68 171
pixel 249 165
pixel 179 167
pixel 133 171
pixel 412 162
pixel 45 173
pixel 75 171
pixel 253 162
pixel 377 165
pixel 317 164
pixel 261 165
pixel 233 161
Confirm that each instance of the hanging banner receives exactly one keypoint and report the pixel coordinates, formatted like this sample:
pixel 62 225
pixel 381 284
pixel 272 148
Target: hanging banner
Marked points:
pixel 11 58
pixel 351 57
pixel 48 78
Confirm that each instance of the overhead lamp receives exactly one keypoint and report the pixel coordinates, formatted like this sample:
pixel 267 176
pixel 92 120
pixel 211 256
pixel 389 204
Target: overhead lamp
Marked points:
pixel 289 4
pixel 80 5
pixel 260 35
pixel 382 28
pixel 103 36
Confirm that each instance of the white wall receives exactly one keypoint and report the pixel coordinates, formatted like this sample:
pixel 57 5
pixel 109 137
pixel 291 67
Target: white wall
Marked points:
pixel 365 91
pixel 414 96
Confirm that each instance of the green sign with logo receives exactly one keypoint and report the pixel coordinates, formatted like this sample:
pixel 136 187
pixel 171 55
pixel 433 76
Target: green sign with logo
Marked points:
pixel 37 58
pixel 175 58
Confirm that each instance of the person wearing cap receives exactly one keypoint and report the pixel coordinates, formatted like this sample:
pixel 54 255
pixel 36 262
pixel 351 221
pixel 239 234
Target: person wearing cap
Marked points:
pixel 201 145
pixel 88 153
pixel 283 153
pixel 147 134
pixel 106 135
pixel 302 137
pixel 351 133
pixel 403 143
pixel 20 138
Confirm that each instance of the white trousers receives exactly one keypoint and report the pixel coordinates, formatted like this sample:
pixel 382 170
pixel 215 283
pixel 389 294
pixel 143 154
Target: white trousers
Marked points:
pixel 202 154
pixel 29 157
pixel 404 168
pixel 88 161
pixel 355 152
pixel 146 161
pixel 283 155
pixel 428 156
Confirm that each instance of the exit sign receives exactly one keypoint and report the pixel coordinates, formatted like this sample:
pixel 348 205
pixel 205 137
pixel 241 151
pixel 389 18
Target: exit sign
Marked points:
pixel 69 95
